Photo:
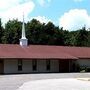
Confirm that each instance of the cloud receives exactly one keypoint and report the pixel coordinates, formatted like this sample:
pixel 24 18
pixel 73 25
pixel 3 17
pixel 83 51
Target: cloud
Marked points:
pixel 5 4
pixel 14 9
pixel 75 19
pixel 78 0
pixel 43 2
pixel 42 19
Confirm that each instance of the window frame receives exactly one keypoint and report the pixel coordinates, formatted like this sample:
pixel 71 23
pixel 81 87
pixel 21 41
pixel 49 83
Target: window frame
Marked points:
pixel 34 65
pixel 20 64
pixel 48 65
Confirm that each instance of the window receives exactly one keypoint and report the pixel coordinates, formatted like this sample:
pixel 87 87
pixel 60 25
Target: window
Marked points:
pixel 34 65
pixel 47 65
pixel 19 65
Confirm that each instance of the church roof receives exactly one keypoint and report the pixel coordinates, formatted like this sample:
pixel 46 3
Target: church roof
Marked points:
pixel 13 51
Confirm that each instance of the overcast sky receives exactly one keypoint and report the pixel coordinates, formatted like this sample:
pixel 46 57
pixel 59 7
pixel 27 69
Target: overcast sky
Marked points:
pixel 69 14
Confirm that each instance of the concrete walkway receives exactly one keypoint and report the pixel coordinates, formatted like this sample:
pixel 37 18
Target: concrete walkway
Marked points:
pixel 13 82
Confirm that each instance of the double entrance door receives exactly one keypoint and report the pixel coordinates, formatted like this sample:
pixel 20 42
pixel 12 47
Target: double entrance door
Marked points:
pixel 64 66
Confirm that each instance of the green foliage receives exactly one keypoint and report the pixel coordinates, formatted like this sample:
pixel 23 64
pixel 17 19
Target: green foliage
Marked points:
pixel 81 38
pixel 12 32
pixel 1 31
pixel 33 31
pixel 44 34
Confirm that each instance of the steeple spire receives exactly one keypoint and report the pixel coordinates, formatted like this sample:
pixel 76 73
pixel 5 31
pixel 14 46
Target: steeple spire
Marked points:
pixel 23 40
pixel 23 29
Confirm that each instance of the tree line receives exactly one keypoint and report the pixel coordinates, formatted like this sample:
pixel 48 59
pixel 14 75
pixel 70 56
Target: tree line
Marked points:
pixel 43 34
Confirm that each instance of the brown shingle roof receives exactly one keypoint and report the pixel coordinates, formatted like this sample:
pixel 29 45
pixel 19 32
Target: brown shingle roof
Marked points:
pixel 43 52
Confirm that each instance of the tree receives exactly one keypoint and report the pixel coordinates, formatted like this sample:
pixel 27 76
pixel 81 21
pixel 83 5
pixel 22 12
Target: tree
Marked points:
pixel 44 34
pixel 59 36
pixel 88 39
pixel 34 30
pixel 1 31
pixel 12 32
pixel 72 36
pixel 81 38
pixel 67 36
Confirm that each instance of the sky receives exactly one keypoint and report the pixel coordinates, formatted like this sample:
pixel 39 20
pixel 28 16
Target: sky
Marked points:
pixel 69 14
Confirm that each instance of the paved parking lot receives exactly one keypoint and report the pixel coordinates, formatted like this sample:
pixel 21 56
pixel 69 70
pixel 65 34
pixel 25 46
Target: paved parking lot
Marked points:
pixel 56 84
pixel 13 82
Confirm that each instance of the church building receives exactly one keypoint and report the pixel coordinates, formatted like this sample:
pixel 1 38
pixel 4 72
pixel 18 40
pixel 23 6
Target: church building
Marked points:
pixel 26 58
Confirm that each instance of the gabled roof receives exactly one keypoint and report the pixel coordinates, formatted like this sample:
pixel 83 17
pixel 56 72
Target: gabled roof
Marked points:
pixel 43 52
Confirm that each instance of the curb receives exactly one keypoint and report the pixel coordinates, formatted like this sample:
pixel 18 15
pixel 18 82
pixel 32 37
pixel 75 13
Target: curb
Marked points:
pixel 84 79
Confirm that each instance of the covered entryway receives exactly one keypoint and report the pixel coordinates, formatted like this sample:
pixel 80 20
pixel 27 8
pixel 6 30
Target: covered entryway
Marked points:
pixel 67 66
pixel 64 65
pixel 1 67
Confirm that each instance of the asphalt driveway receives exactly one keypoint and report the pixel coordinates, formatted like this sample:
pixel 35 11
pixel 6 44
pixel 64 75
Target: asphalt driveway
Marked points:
pixel 13 82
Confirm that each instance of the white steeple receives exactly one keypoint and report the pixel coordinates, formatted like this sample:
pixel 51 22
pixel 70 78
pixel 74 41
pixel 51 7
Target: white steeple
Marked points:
pixel 23 40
